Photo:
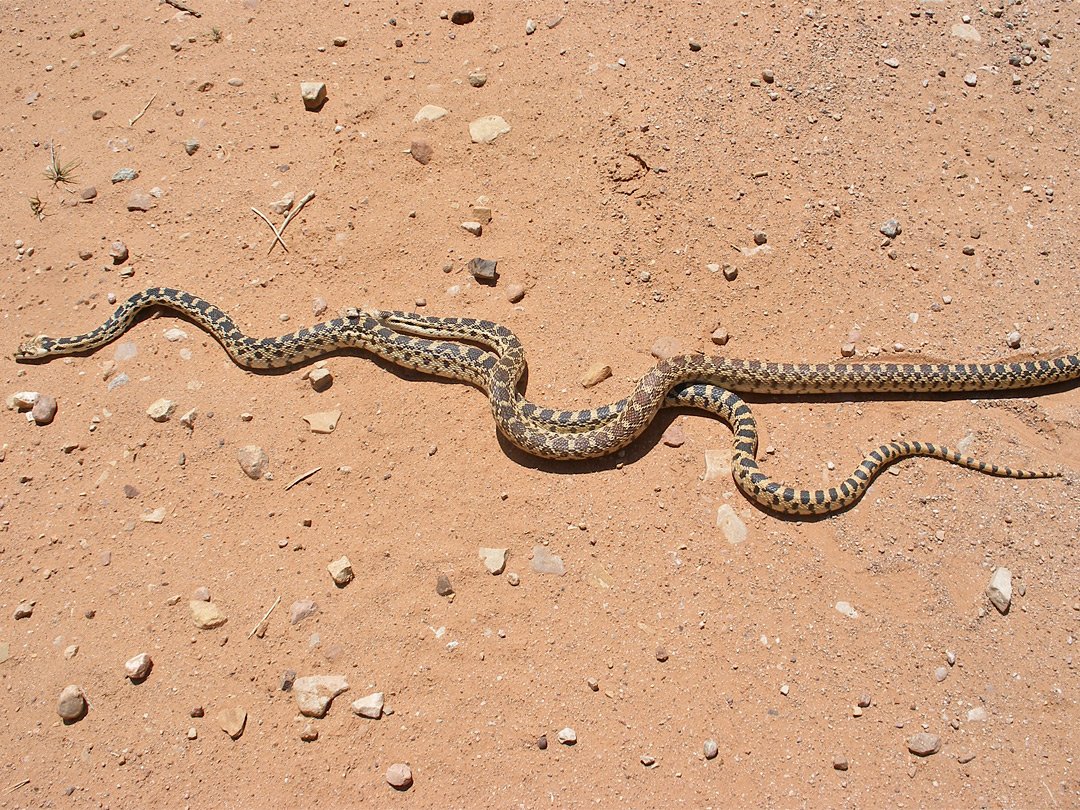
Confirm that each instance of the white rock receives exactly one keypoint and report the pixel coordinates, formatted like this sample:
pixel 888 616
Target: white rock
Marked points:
pixel 160 410
pixel 847 610
pixel 494 559
pixel 173 335
pixel 475 228
pixel 370 706
pixel 965 32
pixel 730 525
pixel 314 693
pixel 157 516
pixel 1000 589
pixel 568 736
pixel 313 94
pixel 429 112
pixel 23 400
pixel 977 715
pixel 487 129
pixel 341 570
pixel 138 667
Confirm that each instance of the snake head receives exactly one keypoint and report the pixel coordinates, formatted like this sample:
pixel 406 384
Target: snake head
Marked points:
pixel 32 349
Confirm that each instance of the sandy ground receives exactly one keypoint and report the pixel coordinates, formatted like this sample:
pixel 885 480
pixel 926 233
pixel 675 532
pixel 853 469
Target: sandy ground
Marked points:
pixel 633 162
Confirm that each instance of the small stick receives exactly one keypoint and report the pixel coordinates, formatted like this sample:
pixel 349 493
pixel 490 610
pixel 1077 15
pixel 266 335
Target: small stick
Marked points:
pixel 131 123
pixel 301 477
pixel 263 619
pixel 277 233
pixel 18 785
pixel 182 7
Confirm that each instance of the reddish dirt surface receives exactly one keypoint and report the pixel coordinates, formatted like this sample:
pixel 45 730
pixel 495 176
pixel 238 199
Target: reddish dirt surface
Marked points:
pixel 616 188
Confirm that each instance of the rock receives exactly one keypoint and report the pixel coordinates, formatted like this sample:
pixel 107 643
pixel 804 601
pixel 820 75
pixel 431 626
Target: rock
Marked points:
pixel 940 674
pixel 232 721
pixel 530 27
pixel 462 17
pixel 1013 340
pixel 140 201
pixel 309 733
pixel 648 760
pixel 157 516
pixel 75 33
pixel 72 704
pixel 482 212
pixel 253 461
pixel 720 337
pixel 730 524
pixel 965 758
pixel 863 702
pixel 174 335
pixel 313 94
pixel 515 292
pixel 568 736
pixel 923 744
pixel 340 42
pixel 206 615
pixel 97 115
pixel 399 776
pixel 695 46
pixel 370 706
pixel 847 610
pixel 318 306
pixel 279 207
pixel 341 571
pixel 202 593
pixel 301 610
pixel 494 559
pixel 674 436
pixel 513 579
pixel 999 590
pixel 191 146
pixel 139 667
pixel 196 711
pixel 971 79
pixel 23 400
pixel 314 693
pixel 487 129
pixel 124 175
pixel 541 742
pixel 891 229
pixel 595 374
pixel 478 79
pixel 119 252
pixel 160 410
pixel 429 112
pixel 544 562
pixel 977 715
pixel 840 763
pixel 443 586
pixel 966 32
pixel 484 270
pixel 287 680
pixel 25 610
pixel 665 348
pixel 711 749
pixel 69 652
pixel 421 152
pixel 44 410
pixel 847 350
pixel 475 228
pixel 661 654
pixel 323 422
pixel 86 195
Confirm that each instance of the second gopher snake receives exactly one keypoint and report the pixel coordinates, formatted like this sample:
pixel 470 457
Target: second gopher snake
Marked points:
pixel 424 343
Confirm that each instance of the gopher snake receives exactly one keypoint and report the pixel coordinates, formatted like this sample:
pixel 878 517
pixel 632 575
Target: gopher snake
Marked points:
pixel 497 363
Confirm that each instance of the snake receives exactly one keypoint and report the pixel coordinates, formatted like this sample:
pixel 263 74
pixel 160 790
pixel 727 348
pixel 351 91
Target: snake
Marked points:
pixel 489 356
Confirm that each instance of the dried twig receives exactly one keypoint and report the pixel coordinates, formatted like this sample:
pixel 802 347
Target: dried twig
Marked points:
pixel 301 477
pixel 182 7
pixel 131 123
pixel 255 629
pixel 17 785
pixel 279 231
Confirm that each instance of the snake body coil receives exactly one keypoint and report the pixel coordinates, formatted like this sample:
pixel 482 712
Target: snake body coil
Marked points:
pixel 497 363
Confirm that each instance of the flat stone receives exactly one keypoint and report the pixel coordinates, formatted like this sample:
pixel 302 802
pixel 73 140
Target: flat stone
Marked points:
pixel 421 152
pixel 279 207
pixel 730 524
pixel 138 667
pixel 443 586
pixel 313 94
pixel 544 562
pixel 999 590
pixel 840 763
pixel 595 374
pixel 370 706
pixel 124 175
pixel 160 410
pixel 25 610
pixel 568 736
pixel 301 610
pixel 323 422
pixel 86 195
pixel 717 464
pixel 494 559
pixel 429 112
pixel 206 615
pixel 309 733
pixel 157 516
pixel 674 436
pixel 232 721
pixel 923 744
pixel 314 693
pixel 665 348
pixel 847 610
pixel 977 715
pixel 475 228
pixel 399 776
pixel 484 270
pixel 487 129
pixel 72 703
pixel 341 570
pixel 253 461
pixel 966 32
pixel 140 201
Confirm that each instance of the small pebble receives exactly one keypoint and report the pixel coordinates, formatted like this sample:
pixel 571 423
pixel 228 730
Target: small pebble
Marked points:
pixel 711 749
pixel 661 654
pixel 191 146
pixel 97 115
pixel 513 579
pixel 44 410
pixel 720 337
pixel 1013 340
pixel 443 586
pixel 530 27
pixel 478 79
pixel 891 229
pixel 568 736
pixel 940 674
pixel 971 79
pixel 301 610
pixel 648 760
pixel 760 238
pixel 421 152
pixel 695 46
pixel 475 228
pixel 341 571
pixel 320 379
pixel 515 292
pixel 253 461
pixel 542 742
pixel 847 350
pixel 840 763
pixel 399 775
pixel 232 721
pixel 25 610
pixel 87 194
pixel 196 711
pixel 72 703
pixel 140 201
pixel 730 271
pixel 923 744
pixel 313 95
pixel 999 589
pixel 596 374
pixel 309 733
pixel 462 17
pixel 767 76
pixel 864 701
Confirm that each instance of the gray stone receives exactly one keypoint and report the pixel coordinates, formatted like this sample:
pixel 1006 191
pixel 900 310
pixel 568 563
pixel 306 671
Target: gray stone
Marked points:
pixel 124 175
pixel 399 776
pixel 923 744
pixel 999 590
pixel 443 586
pixel 72 703
pixel 891 229
pixel 301 610
pixel 44 410
pixel 544 562
pixel 484 270
pixel 191 146
pixel 253 461
pixel 313 94
pixel 314 693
